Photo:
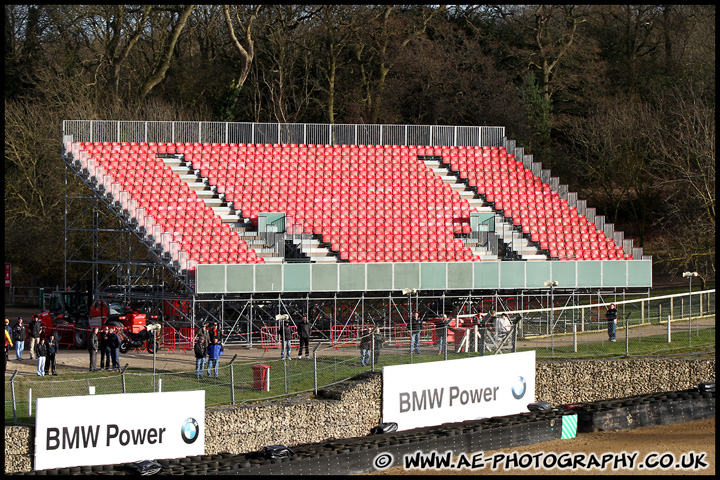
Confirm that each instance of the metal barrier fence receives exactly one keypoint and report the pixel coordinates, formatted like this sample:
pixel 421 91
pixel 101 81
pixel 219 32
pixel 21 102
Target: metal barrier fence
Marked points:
pixel 348 335
pixel 26 296
pixel 666 325
pixel 270 337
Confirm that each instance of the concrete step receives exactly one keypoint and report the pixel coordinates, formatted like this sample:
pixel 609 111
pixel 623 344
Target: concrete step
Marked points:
pixel 326 259
pixel 273 259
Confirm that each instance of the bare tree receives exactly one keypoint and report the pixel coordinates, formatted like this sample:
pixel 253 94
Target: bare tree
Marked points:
pixel 247 52
pixel 163 62
pixel 685 143
pixel 384 31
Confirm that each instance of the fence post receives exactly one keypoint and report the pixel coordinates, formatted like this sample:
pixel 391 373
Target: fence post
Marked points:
pixel 672 313
pixel 232 380
pixel 642 313
pixel 627 336
pixel 122 376
pixel 315 366
pixel 574 337
pixel 12 395
pixel 446 341
pixel 668 331
pixel 285 380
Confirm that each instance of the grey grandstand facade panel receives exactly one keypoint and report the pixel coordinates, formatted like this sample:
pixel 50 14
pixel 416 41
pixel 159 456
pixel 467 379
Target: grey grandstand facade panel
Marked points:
pixel 434 276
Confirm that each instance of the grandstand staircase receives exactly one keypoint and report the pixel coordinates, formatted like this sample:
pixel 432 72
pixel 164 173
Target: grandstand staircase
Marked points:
pixel 245 230
pixel 516 245
pixel 302 248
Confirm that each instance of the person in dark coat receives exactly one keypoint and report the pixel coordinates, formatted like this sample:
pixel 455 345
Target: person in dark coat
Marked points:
pixel 105 351
pixel 611 317
pixel 114 343
pixel 19 336
pixel 365 348
pixel 35 330
pixel 201 351
pixel 377 343
pixel 41 354
pixel 52 350
pixel 93 348
pixel 285 339
pixel 304 334
pixel 441 327
pixel 415 327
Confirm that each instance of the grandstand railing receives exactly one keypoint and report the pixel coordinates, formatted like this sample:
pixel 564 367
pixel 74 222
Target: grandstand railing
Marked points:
pixel 299 133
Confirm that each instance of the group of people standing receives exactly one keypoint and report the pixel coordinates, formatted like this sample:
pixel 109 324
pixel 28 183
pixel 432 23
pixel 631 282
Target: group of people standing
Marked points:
pixel 208 349
pixel 42 348
pixel 303 329
pixel 107 344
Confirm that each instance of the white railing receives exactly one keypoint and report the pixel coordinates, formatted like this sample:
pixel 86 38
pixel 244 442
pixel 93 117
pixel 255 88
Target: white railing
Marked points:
pixel 300 133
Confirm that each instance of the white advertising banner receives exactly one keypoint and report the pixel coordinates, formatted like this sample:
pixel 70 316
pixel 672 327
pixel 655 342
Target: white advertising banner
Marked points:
pixel 425 394
pixel 110 429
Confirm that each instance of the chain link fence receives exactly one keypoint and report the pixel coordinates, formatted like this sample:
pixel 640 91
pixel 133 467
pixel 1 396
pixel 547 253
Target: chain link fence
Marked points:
pixel 665 325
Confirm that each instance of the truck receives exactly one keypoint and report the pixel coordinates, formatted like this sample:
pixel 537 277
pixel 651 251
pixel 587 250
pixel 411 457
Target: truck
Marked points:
pixel 77 308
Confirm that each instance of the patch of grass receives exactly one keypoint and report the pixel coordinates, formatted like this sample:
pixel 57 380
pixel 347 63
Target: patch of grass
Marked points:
pixel 236 384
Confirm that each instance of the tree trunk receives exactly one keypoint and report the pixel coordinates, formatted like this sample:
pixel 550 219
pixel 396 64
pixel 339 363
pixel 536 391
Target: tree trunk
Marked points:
pixel 158 74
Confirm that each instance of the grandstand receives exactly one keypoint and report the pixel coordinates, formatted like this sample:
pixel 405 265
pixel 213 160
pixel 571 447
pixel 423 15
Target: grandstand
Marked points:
pixel 232 211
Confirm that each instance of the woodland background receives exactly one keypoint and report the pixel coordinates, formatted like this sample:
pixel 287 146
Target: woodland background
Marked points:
pixel 618 101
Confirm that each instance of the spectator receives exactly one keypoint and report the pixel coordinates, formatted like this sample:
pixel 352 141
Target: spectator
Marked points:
pixel 215 333
pixel 41 353
pixel 105 351
pixel 206 334
pixel 611 316
pixel 114 343
pixel 35 327
pixel 215 349
pixel 365 347
pixel 8 329
pixel 441 327
pixel 502 325
pixel 377 342
pixel 415 328
pixel 201 350
pixel 304 333
pixel 93 347
pixel 8 340
pixel 285 339
pixel 490 319
pixel 19 335
pixel 52 350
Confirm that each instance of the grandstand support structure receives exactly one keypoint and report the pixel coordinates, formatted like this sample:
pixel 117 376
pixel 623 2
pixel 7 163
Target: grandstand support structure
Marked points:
pixel 297 270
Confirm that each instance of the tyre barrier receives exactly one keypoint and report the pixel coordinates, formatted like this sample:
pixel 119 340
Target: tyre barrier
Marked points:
pixel 362 454
pixel 644 410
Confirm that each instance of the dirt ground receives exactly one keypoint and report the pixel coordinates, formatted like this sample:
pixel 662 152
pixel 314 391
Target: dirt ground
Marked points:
pixel 678 439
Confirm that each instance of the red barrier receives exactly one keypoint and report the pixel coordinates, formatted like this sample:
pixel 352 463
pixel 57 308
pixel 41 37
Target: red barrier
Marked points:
pixel 427 335
pixel 167 338
pixel 186 338
pixel 64 334
pixel 270 337
pixel 348 335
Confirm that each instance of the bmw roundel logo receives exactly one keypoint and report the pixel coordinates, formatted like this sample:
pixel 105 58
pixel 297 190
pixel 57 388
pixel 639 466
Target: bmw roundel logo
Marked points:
pixel 518 388
pixel 190 430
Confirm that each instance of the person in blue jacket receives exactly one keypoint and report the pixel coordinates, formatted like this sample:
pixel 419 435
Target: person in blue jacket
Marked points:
pixel 215 349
